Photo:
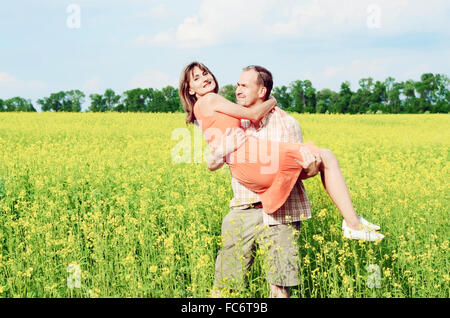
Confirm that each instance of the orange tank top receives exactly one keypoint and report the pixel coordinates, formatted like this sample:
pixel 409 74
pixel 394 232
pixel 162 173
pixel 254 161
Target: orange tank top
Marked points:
pixel 214 126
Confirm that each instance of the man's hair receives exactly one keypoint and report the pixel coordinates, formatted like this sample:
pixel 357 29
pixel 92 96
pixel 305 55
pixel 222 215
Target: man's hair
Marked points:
pixel 265 78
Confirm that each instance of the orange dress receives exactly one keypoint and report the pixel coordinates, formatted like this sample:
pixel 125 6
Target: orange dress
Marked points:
pixel 263 166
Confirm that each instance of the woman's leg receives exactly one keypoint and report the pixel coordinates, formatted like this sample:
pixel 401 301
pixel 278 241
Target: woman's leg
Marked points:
pixel 334 183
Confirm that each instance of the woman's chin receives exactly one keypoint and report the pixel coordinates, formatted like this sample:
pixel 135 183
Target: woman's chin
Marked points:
pixel 208 90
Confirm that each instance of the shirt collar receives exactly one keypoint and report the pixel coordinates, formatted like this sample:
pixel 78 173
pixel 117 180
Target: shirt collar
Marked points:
pixel 264 121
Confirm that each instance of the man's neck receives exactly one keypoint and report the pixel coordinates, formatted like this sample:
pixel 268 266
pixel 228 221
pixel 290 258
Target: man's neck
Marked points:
pixel 257 123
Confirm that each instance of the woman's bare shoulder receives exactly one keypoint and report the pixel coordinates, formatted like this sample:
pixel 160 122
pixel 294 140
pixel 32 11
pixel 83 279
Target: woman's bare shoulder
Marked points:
pixel 206 104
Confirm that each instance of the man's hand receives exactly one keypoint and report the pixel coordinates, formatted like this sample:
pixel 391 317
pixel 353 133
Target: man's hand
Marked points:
pixel 311 163
pixel 230 141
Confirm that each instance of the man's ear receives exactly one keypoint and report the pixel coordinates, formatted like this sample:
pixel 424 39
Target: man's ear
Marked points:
pixel 262 92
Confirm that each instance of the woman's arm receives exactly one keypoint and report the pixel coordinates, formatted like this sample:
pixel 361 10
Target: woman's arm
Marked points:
pixel 223 105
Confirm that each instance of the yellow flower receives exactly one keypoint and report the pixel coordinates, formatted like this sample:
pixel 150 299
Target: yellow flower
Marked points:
pixel 153 269
pixel 322 213
pixel 318 238
pixel 94 293
pixel 129 259
pixel 166 271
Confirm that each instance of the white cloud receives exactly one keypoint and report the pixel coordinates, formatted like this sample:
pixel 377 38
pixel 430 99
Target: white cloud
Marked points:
pixel 332 76
pixel 161 39
pixel 7 80
pixel 152 79
pixel 158 12
pixel 398 67
pixel 219 20
pixel 330 17
pixel 10 86
pixel 92 85
pixel 215 21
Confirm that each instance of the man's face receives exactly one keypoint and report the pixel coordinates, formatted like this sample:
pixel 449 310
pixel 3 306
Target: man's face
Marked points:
pixel 248 92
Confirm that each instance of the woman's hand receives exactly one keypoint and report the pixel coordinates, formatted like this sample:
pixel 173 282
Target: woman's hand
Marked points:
pixel 272 97
pixel 310 164
pixel 230 141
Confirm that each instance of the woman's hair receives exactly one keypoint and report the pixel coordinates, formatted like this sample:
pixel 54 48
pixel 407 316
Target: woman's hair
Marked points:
pixel 187 99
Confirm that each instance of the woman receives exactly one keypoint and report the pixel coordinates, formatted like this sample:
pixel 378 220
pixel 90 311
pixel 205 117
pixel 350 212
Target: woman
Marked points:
pixel 215 114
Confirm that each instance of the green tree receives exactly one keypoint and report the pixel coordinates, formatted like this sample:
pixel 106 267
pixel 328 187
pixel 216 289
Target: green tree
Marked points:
pixel 98 103
pixel 393 91
pixel 325 98
pixel 19 104
pixel 111 100
pixel 159 103
pixel 394 102
pixel 412 103
pixel 345 96
pixel 52 103
pixel 442 94
pixel 149 96
pixel 134 100
pixel 426 88
pixel 363 98
pixel 173 103
pixel 311 98
pixel 2 109
pixel 229 92
pixel 304 96
pixel 358 102
pixel 379 93
pixel 72 101
pixel 283 97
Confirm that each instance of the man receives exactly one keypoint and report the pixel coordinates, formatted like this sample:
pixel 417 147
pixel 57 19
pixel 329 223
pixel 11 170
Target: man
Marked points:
pixel 247 225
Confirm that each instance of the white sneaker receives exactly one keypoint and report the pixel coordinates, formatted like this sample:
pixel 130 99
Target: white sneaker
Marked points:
pixel 365 223
pixel 369 225
pixel 364 234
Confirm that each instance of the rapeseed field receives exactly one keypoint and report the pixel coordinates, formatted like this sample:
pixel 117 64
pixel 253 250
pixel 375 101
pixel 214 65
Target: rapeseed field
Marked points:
pixel 94 205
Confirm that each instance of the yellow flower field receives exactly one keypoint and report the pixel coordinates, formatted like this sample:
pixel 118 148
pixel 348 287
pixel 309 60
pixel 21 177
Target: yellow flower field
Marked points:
pixel 93 205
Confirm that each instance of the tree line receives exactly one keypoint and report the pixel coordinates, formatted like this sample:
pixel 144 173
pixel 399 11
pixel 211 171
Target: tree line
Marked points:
pixel 429 95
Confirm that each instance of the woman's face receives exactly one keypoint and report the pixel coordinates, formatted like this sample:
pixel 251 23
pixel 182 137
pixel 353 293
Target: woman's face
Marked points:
pixel 201 82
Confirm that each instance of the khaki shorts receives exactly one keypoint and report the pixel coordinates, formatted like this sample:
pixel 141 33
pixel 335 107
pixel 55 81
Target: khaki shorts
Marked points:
pixel 242 231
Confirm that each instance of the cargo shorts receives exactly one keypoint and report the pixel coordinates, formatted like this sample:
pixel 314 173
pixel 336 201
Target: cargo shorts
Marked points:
pixel 242 232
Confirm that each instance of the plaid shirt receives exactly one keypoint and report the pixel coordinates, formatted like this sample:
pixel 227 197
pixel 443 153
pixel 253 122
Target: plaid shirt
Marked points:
pixel 277 125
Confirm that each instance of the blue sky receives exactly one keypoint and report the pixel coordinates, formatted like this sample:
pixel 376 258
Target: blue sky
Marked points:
pixel 146 43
